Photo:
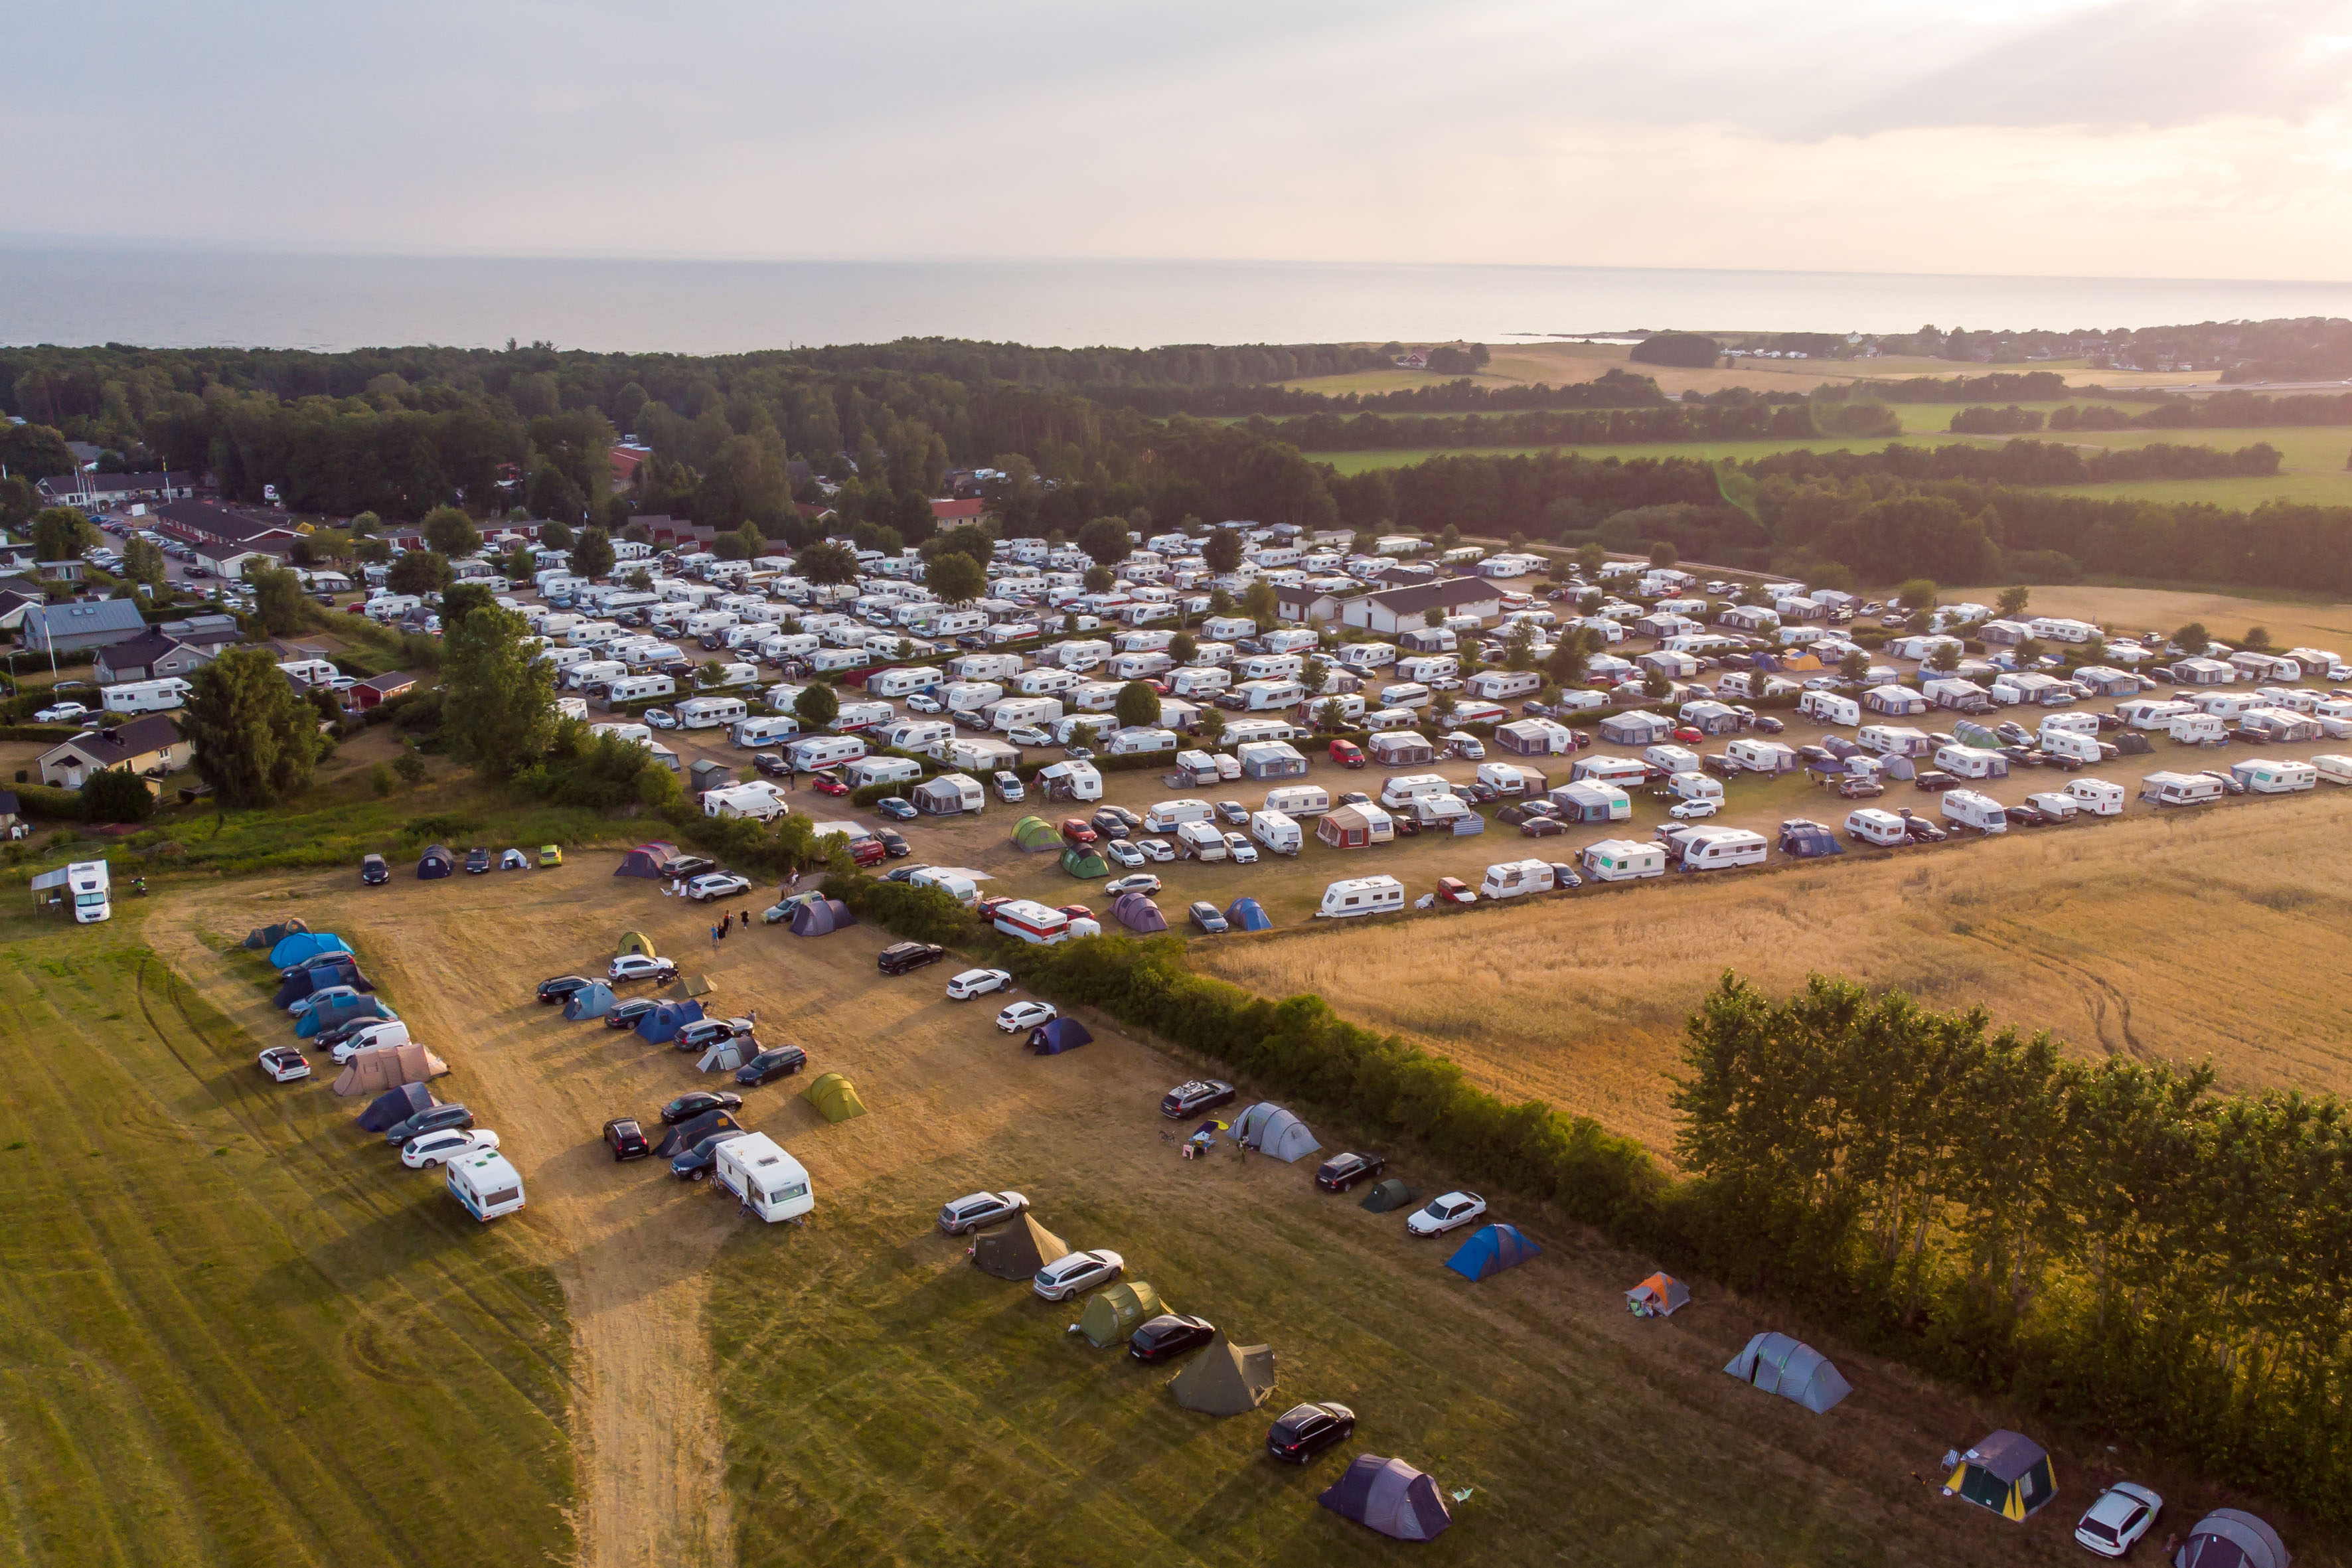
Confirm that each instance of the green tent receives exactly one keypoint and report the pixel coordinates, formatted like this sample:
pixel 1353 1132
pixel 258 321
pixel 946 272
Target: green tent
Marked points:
pixel 1080 861
pixel 1035 834
pixel 1018 1250
pixel 1225 1379
pixel 1112 1315
pixel 835 1097
pixel 1388 1197
pixel 636 941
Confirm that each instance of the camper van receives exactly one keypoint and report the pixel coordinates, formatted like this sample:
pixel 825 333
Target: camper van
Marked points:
pixel 771 1183
pixel 486 1184
pixel 752 733
pixel 2275 775
pixel 2097 796
pixel 1276 832
pixel 1361 896
pixel 1298 800
pixel 809 752
pixel 147 695
pixel 1404 788
pixel 1967 808
pixel 1511 878
pixel 1872 825
pixel 2180 789
pixel 1720 848
pixel 1169 814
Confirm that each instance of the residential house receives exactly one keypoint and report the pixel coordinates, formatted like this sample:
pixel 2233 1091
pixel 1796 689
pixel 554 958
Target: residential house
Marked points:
pixel 152 656
pixel 378 690
pixel 14 603
pixel 1306 603
pixel 152 745
pixel 81 624
pixel 955 513
pixel 1400 609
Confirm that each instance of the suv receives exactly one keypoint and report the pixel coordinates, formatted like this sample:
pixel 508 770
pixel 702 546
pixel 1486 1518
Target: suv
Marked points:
pixel 901 956
pixel 626 1139
pixel 1192 1098
pixel 642 966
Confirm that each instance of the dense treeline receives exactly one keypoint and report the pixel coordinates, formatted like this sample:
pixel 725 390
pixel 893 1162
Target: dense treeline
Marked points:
pixel 2023 462
pixel 1612 388
pixel 1752 421
pixel 2221 411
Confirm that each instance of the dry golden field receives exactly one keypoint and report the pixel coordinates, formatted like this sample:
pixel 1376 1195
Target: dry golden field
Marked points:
pixel 2219 934
pixel 2291 624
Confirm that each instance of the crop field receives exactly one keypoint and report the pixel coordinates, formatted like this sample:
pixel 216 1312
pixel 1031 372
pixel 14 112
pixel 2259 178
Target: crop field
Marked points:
pixel 2292 621
pixel 852 1392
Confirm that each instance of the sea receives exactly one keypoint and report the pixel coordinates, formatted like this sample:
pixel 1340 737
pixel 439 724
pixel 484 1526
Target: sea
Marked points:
pixel 81 294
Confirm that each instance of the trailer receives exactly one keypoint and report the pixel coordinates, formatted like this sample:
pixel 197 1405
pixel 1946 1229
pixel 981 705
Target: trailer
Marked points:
pixel 1276 832
pixel 710 712
pixel 1355 896
pixel 763 1177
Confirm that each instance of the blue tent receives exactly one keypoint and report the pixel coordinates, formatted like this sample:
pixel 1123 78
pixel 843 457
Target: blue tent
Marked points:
pixel 1243 914
pixel 1061 1034
pixel 304 945
pixel 435 862
pixel 664 1023
pixel 340 1009
pixel 593 1001
pixel 1810 843
pixel 388 1109
pixel 334 969
pixel 1490 1250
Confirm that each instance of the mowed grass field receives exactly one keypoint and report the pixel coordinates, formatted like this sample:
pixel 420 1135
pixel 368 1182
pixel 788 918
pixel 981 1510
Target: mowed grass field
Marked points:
pixel 2214 935
pixel 233 1334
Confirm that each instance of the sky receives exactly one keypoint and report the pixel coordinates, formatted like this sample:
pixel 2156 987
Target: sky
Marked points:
pixel 2155 138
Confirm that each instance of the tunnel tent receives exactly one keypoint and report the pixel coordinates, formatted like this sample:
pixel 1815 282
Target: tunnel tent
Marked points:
pixel 514 861
pixel 1252 1118
pixel 591 1001
pixel 2007 1472
pixel 1390 1496
pixel 1018 1250
pixel 1058 1035
pixel 1778 1364
pixel 1080 861
pixel 635 942
pixel 835 1097
pixel 1035 836
pixel 1245 913
pixel 435 863
pixel 1225 1379
pixel 662 1023
pixel 1284 1137
pixel 693 1130
pixel 300 947
pixel 1491 1250
pixel 321 975
pixel 1138 913
pixel 1389 1195
pixel 1659 1296
pixel 395 1106
pixel 378 1068
pixel 820 916
pixel 1114 1314
pixel 647 860
pixel 2231 1538
pixel 724 1056
pixel 342 1007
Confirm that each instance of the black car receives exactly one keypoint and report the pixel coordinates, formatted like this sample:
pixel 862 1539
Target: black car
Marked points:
pixel 771 763
pixel 903 873
pixel 477 861
pixel 626 1139
pixel 901 956
pixel 782 1061
pixel 1189 1098
pixel 562 985
pixel 2025 814
pixel 1564 879
pixel 686 867
pixel 373 872
pixel 328 1039
pixel 1769 725
pixel 1306 1430
pixel 1923 831
pixel 1935 782
pixel 432 1119
pixel 1526 810
pixel 1816 756
pixel 695 1163
pixel 894 843
pixel 687 1107
pixel 1116 821
pixel 1542 827
pixel 1341 1172
pixel 624 1015
pixel 1354 797
pixel 1168 1335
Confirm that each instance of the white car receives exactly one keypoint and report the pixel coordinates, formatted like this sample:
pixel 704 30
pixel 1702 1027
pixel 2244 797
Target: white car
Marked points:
pixel 641 966
pixel 1441 1215
pixel 924 702
pixel 284 1063
pixel 717 885
pixel 2120 1517
pixel 1240 850
pixel 1156 849
pixel 440 1148
pixel 1031 736
pixel 1692 810
pixel 1009 787
pixel 1141 882
pixel 974 983
pixel 659 718
pixel 1076 1271
pixel 63 713
pixel 1120 852
pixel 1023 1016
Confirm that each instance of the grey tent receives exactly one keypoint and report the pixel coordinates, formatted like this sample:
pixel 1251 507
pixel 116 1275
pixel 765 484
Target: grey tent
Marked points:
pixel 1225 1379
pixel 1138 913
pixel 693 1130
pixel 1018 1250
pixel 270 936
pixel 392 1108
pixel 1778 1364
pixel 514 861
pixel 727 1054
pixel 820 916
pixel 1252 1117
pixel 1389 1496
pixel 2226 1538
pixel 1390 1196
pixel 1245 914
pixel 435 862
pixel 1284 1137
pixel 591 1000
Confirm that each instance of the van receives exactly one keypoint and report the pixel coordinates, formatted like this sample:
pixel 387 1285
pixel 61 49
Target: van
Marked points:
pixel 1276 832
pixel 389 1032
pixel 2097 796
pixel 1169 814
pixel 486 1184
pixel 1721 849
pixel 1404 787
pixel 1872 825
pixel 1967 808
pixel 2180 789
pixel 1298 800
pixel 751 733
pixel 1200 841
pixel 1361 896
pixel 809 752
pixel 710 712
pixel 767 1181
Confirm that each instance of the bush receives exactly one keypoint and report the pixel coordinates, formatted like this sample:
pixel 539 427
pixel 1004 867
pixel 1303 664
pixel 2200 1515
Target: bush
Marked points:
pixel 1691 351
pixel 114 796
pixel 918 914
pixel 49 804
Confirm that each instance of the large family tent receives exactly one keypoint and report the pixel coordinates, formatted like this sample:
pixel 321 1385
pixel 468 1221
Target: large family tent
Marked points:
pixel 1389 1496
pixel 338 1006
pixel 1059 1034
pixel 1491 1250
pixel 1138 913
pixel 270 936
pixel 2007 1472
pixel 591 1001
pixel 635 942
pixel 1035 834
pixel 693 1130
pixel 1112 1315
pixel 646 859
pixel 378 1068
pixel 1389 1195
pixel 300 947
pixel 1271 1129
pixel 435 863
pixel 662 1025
pixel 2226 1538
pixel 1659 1296
pixel 820 916
pixel 337 969
pixel 1778 1364
pixel 1018 1250
pixel 514 861
pixel 1243 914
pixel 1809 843
pixel 1080 861
pixel 726 1056
pixel 395 1106
pixel 1225 1379
pixel 835 1097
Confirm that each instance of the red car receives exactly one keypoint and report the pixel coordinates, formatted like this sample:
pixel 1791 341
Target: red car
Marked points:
pixel 829 784
pixel 1075 831
pixel 1688 736
pixel 868 851
pixel 1454 890
pixel 1347 754
pixel 1077 912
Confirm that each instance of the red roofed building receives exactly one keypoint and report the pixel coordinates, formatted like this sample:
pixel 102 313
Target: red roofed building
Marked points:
pixel 955 513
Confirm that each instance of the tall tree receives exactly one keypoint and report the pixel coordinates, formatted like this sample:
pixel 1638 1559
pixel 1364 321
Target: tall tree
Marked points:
pixel 1105 540
pixel 2013 601
pixel 554 533
pixel 277 601
pixel 825 562
pixel 965 538
pixel 116 794
pixel 592 553
pixel 1258 602
pixel 143 562
pixel 255 741
pixel 1137 705
pixel 61 533
pixel 1222 550
pixel 498 703
pixel 451 532
pixel 956 578
pixel 418 572
pixel 817 705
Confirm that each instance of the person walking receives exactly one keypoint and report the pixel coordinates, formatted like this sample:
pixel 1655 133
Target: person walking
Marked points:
pixel 796 878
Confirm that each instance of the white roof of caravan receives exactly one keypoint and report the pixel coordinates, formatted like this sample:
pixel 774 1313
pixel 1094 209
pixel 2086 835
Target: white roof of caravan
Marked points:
pixel 1362 884
pixel 1616 848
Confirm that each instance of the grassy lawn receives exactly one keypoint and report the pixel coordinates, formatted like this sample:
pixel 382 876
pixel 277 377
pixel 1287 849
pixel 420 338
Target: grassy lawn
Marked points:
pixel 235 1333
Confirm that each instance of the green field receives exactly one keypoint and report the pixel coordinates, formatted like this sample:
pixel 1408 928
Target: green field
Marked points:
pixel 238 1332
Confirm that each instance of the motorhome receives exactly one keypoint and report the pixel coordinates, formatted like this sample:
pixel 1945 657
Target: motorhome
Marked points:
pixel 84 885
pixel 1515 878
pixel 146 696
pixel 1361 896
pixel 752 733
pixel 2169 788
pixel 1967 808
pixel 1721 849
pixel 486 1184
pixel 1276 832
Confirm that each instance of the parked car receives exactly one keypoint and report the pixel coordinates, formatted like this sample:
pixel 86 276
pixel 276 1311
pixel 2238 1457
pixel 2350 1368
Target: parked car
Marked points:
pixel 1168 1336
pixel 1023 1016
pixel 779 1061
pixel 659 718
pixel 1855 786
pixel 2015 733
pixel 1156 849
pixel 772 764
pixel 1008 786
pixel 624 1015
pixel 979 1210
pixel 1303 1431
pixel 2025 814
pixel 1140 883
pixel 432 1119
pixel 1769 725
pixel 550 854
pixel 705 1033
pixel 61 713
pixel 1341 1172
pixel 1075 1272
pixel 1923 831
pixel 1692 810
pixel 1240 850
pixel 1120 852
pixel 373 872
pixel 894 843
pixel 431 1149
pixel 1347 754
pixel 477 861
pixel 1074 830
pixel 1116 821
pixel 1454 891
pixel 642 966
pixel 687 1107
pixel 901 956
pixel 1233 813
pixel 284 1063
pixel 896 808
pixel 828 783
pixel 2113 1524
pixel 1935 780
pixel 694 1164
pixel 556 990
pixel 1030 735
pixel 1448 1211
pixel 1194 1096
pixel 1564 878
pixel 1206 915
pixel 626 1140
pixel 686 867
pixel 717 885
pixel 974 983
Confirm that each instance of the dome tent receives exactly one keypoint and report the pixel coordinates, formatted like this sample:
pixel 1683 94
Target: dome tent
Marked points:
pixel 1778 1364
pixel 646 859
pixel 820 916
pixel 1389 1496
pixel 1056 1035
pixel 300 947
pixel 435 863
pixel 1018 1250
pixel 1225 1379
pixel 725 1057
pixel 1245 914
pixel 1271 1129
pixel 1080 861
pixel 395 1106
pixel 2228 1538
pixel 2007 1472
pixel 379 1068
pixel 635 942
pixel 1035 836
pixel 593 1001
pixel 270 936
pixel 1390 1196
pixel 514 861
pixel 1138 913
pixel 835 1097
pixel 693 1130
pixel 662 1025
pixel 1491 1250
pixel 1659 1296
pixel 1112 1315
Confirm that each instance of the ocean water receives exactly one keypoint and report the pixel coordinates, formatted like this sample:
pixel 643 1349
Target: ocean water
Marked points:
pixel 52 294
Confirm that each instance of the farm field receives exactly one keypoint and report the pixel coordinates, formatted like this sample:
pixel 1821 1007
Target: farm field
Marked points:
pixel 853 1391
pixel 2103 934
pixel 2292 622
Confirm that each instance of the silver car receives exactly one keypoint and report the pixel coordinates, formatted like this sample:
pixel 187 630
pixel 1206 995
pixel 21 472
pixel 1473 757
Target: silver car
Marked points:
pixel 979 1210
pixel 1073 1272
